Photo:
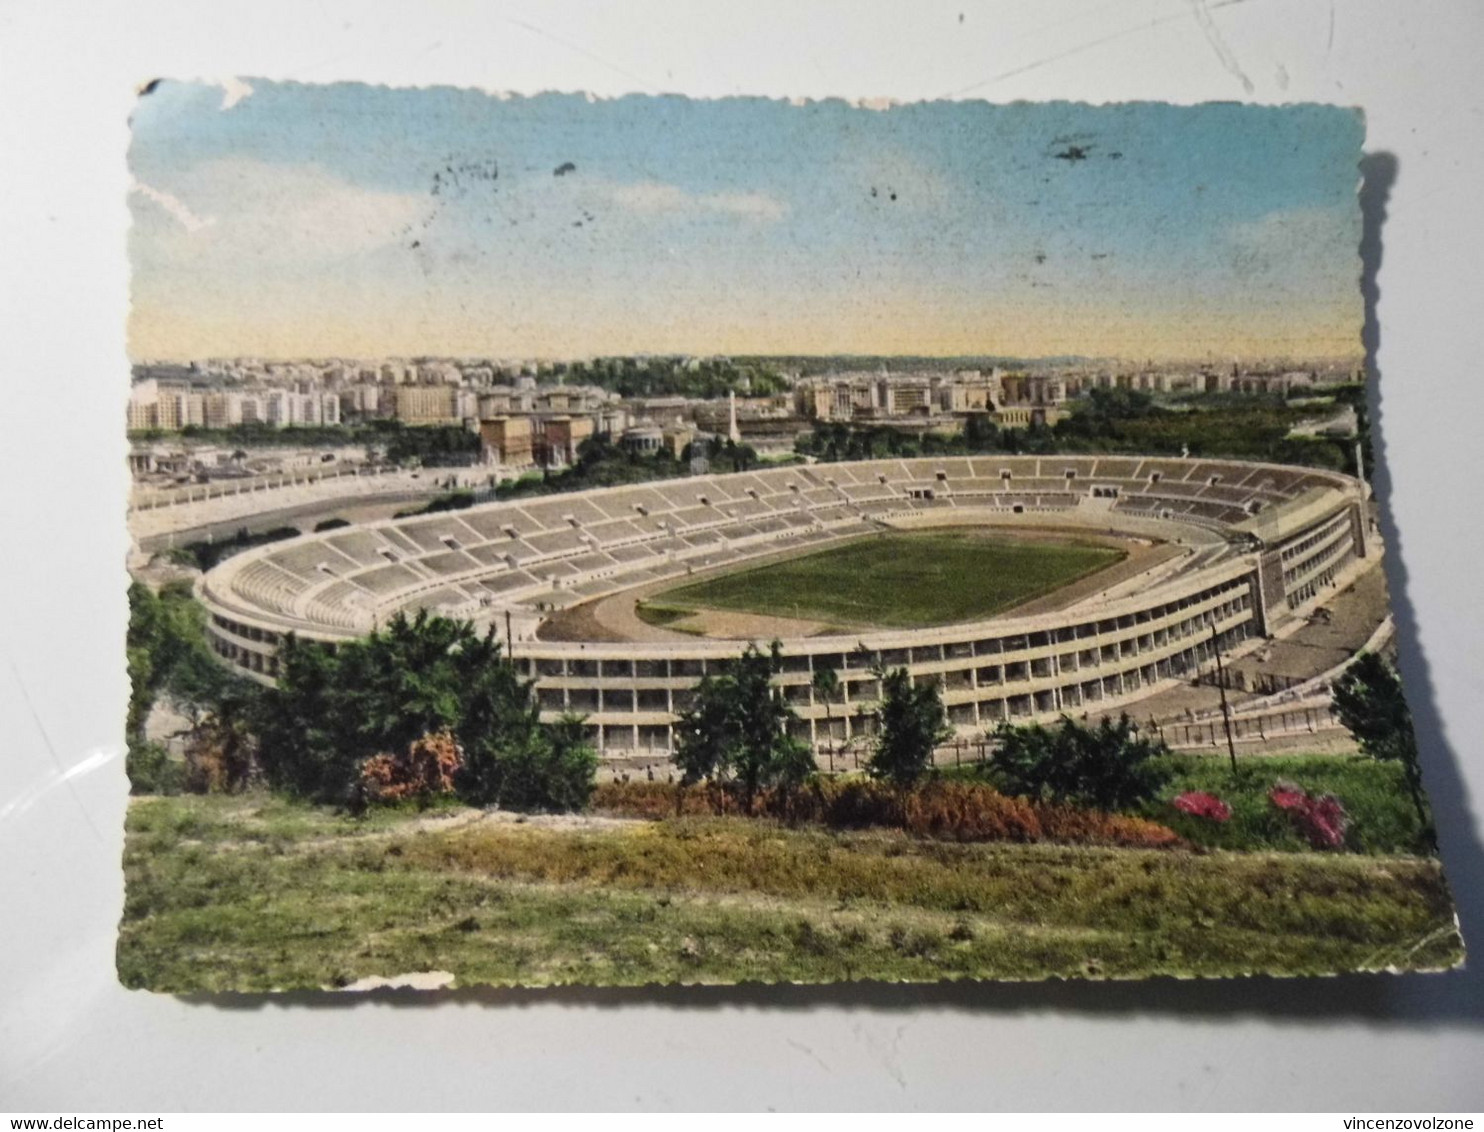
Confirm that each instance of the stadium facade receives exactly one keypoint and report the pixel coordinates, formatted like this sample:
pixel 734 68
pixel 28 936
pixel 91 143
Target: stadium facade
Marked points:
pixel 1259 546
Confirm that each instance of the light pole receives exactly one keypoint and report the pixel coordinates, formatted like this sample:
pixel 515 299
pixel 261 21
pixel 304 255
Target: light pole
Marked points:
pixel 1226 715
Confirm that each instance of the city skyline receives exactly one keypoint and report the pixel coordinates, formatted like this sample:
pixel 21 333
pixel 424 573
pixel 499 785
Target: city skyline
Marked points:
pixel 276 220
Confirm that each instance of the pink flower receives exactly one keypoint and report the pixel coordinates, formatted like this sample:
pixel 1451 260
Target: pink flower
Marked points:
pixel 1287 796
pixel 1327 821
pixel 1321 819
pixel 1203 805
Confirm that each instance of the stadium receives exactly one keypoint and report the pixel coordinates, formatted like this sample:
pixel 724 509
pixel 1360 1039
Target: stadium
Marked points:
pixel 1104 581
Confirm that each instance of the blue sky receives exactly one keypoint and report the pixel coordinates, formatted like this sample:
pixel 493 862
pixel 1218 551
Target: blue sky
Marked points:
pixel 284 219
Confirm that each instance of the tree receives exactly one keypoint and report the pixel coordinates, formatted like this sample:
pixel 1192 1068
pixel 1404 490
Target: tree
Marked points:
pixel 499 726
pixel 300 734
pixel 826 683
pixel 736 730
pixel 333 709
pixel 167 651
pixel 404 682
pixel 573 764
pixel 1107 767
pixel 1369 700
pixel 141 648
pixel 553 768
pixel 980 433
pixel 168 656
pixel 912 724
pixel 706 733
pixel 221 749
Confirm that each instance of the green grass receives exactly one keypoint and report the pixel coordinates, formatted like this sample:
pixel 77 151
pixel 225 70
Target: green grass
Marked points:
pixel 251 894
pixel 902 580
pixel 1383 820
pixel 666 617
pixel 1374 794
pixel 653 613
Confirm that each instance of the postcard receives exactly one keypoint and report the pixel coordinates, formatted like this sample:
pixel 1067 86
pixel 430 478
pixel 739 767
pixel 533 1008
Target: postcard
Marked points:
pixel 656 540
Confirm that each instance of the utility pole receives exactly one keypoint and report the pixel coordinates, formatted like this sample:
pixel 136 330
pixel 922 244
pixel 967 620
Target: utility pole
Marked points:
pixel 510 643
pixel 1226 715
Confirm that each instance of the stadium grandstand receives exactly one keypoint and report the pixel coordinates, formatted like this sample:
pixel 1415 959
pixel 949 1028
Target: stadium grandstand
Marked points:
pixel 1260 546
pixel 159 518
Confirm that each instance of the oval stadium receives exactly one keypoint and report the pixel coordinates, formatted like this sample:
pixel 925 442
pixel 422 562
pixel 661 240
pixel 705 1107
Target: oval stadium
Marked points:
pixel 1026 586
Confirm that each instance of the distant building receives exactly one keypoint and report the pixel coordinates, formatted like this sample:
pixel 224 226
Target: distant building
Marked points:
pixel 1033 389
pixel 494 402
pixel 361 400
pixel 904 398
pixel 560 438
pixel 278 405
pixel 144 405
pixel 612 422
pixel 1024 416
pixel 815 402
pixel 507 442
pixel 253 410
pixel 466 404
pixel 223 410
pixel 677 439
pixel 427 404
pixel 888 398
pixel 644 438
pixel 970 391
pixel 190 409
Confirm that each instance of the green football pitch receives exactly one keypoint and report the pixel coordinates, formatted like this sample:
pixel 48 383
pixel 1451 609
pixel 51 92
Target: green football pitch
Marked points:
pixel 899 580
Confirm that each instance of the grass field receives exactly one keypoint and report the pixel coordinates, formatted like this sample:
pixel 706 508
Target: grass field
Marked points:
pixel 1374 794
pixel 252 893
pixel 901 580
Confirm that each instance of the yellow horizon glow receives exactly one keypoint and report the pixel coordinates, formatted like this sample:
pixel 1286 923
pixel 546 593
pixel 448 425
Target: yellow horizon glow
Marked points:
pixel 907 328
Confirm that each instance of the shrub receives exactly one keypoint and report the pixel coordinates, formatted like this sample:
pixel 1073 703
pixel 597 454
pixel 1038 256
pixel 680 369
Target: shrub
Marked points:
pixel 947 811
pixel 1320 818
pixel 962 812
pixel 1107 767
pixel 423 770
pixel 1073 826
pixel 339 719
pixel 151 770
pixel 208 771
pixel 205 555
pixel 453 501
pixel 220 751
pixel 655 800
pixel 648 800
pixel 553 770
